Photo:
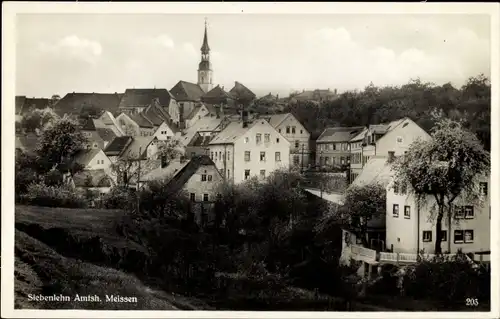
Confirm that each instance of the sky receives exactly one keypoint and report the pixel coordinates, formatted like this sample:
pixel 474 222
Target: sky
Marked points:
pixel 107 53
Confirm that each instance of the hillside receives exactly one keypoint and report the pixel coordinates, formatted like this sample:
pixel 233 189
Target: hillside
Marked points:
pixel 68 252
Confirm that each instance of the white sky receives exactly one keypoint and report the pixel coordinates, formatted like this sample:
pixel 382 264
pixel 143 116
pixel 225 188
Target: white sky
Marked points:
pixel 62 53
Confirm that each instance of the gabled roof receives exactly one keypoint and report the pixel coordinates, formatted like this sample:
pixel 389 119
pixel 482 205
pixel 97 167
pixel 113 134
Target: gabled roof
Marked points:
pixel 108 119
pixel 241 91
pixel 106 134
pixel 138 147
pixel 181 173
pixel 276 119
pixel 377 129
pixel 211 109
pixel 156 114
pixel 200 140
pixel 141 120
pixel 92 178
pixel 339 134
pixel 186 91
pixel 118 145
pixel 144 97
pixel 377 170
pixel 73 103
pixel 205 124
pixel 88 125
pixel 231 133
pixel 217 92
pixel 164 172
pixel 84 157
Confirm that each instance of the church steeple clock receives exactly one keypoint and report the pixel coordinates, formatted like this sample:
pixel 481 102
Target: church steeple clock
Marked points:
pixel 205 72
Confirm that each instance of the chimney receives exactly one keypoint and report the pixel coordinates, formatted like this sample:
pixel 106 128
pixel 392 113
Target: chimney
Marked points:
pixel 335 91
pixel 391 157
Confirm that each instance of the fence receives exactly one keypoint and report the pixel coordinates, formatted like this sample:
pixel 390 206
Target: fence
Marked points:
pixel 385 257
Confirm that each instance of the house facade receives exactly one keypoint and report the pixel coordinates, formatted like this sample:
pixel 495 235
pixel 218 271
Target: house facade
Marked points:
pixel 333 149
pixel 411 227
pixel 298 136
pixel 244 149
pixel 379 140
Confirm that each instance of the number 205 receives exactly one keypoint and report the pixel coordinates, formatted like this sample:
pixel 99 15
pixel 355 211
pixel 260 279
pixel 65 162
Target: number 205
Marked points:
pixel 472 302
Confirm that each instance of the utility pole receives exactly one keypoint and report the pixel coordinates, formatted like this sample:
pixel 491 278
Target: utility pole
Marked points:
pixel 302 160
pixel 138 180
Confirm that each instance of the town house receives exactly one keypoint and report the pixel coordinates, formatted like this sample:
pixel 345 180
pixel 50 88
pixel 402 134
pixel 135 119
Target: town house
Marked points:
pixel 332 146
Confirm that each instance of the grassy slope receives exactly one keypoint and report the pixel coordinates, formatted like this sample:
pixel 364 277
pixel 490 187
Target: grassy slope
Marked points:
pixel 42 269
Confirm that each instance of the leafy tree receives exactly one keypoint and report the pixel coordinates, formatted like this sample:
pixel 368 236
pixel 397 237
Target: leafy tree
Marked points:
pixel 60 142
pixel 444 168
pixel 38 119
pixel 169 150
pixel 360 205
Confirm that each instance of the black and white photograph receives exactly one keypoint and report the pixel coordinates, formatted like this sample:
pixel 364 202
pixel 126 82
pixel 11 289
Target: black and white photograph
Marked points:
pixel 206 158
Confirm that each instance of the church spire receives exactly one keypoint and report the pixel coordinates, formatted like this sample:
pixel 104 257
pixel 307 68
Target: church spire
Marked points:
pixel 205 48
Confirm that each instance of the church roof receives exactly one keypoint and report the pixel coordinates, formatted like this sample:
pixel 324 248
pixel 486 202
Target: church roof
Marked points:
pixel 186 91
pixel 204 47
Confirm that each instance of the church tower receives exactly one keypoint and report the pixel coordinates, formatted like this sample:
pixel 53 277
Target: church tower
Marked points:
pixel 205 72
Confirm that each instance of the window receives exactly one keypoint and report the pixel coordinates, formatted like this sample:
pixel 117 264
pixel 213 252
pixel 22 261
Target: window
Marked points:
pixel 212 156
pixel 469 212
pixel 427 236
pixel 293 129
pixel 395 210
pixel 209 178
pixel 301 131
pixel 247 139
pixel 192 197
pixel 459 212
pixel 221 171
pixel 216 158
pixel 327 160
pixel 399 140
pixel 458 236
pixel 277 140
pixel 334 160
pixel 258 138
pixel 262 156
pixel 484 188
pixel 279 130
pixel 444 235
pixel 228 155
pixel 407 212
pixel 342 160
pixel 247 173
pixel 267 137
pixel 203 177
pixel 296 160
pixel 297 144
pixel 228 173
pixel 321 160
pixel 277 157
pixel 247 156
pixel 262 173
pixel 469 236
pixel 288 130
pixel 205 197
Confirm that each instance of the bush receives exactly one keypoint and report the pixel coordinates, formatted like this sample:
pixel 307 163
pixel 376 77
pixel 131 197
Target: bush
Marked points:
pixel 118 198
pixel 39 194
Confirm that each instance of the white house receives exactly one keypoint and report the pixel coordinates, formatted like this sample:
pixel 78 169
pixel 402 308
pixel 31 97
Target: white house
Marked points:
pixel 249 148
pixel 93 159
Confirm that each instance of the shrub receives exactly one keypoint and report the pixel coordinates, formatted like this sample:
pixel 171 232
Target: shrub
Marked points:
pixel 39 194
pixel 118 198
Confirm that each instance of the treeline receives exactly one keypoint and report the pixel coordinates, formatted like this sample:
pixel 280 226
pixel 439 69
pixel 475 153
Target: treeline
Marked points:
pixel 470 103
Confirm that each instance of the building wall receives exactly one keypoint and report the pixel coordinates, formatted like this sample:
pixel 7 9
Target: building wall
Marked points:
pixel 300 149
pixel 93 139
pixel 277 143
pixel 203 111
pixel 164 132
pixel 127 125
pixel 223 156
pixel 100 161
pixel 197 186
pixel 404 233
pixel 400 138
pixel 327 156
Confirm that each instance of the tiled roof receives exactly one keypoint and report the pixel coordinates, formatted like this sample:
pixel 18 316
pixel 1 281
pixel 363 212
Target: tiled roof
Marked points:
pixel 376 170
pixel 141 120
pixel 164 172
pixel 85 156
pixel 156 114
pixel 276 119
pixel 216 92
pixel 241 91
pixel 118 145
pixel 73 103
pixel 92 178
pixel 138 144
pixel 378 129
pixel 339 134
pixel 206 124
pixel 186 91
pixel 184 173
pixel 231 133
pixel 106 134
pixel 88 125
pixel 200 140
pixel 143 97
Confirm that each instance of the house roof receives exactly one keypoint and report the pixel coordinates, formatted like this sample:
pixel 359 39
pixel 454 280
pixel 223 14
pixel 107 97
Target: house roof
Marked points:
pixel 241 91
pixel 164 172
pixel 205 124
pixel 212 109
pixel 84 157
pixel 92 178
pixel 186 91
pixel 276 119
pixel 141 120
pixel 144 97
pixel 377 129
pixel 117 145
pixel 200 140
pixel 231 133
pixel 106 134
pixel 183 173
pixel 107 119
pixel 156 114
pixel 376 170
pixel 217 92
pixel 73 103
pixel 138 144
pixel 339 134
pixel 312 94
pixel 88 125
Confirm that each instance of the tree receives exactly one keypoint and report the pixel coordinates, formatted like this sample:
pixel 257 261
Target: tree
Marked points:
pixel 360 205
pixel 169 150
pixel 60 142
pixel 444 168
pixel 38 119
